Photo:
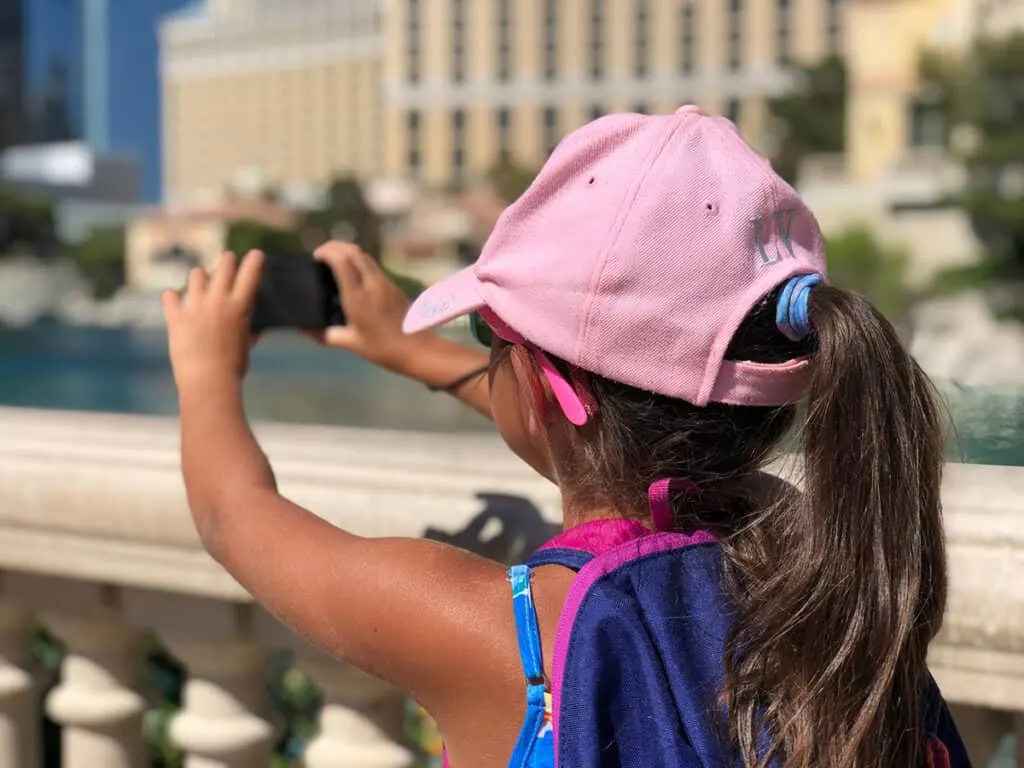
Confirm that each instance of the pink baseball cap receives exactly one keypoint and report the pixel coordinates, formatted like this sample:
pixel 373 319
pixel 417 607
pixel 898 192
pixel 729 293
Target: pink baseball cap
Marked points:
pixel 636 254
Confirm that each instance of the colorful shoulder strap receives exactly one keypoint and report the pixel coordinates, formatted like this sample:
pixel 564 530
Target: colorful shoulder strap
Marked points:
pixel 528 638
pixel 579 545
pixel 574 559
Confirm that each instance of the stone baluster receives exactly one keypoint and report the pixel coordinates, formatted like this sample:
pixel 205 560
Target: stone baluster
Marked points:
pixel 361 721
pixel 19 716
pixel 225 719
pixel 97 702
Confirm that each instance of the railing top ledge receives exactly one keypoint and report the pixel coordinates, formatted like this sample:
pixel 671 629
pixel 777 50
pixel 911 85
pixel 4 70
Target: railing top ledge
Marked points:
pixel 100 495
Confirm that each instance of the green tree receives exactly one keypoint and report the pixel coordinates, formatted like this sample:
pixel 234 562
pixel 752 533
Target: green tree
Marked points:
pixel 980 98
pixel 26 222
pixel 410 286
pixel 100 260
pixel 811 119
pixel 347 216
pixel 246 235
pixel 858 261
pixel 509 179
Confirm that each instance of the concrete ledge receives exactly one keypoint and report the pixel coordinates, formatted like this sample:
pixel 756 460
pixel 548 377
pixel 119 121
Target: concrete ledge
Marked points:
pixel 98 498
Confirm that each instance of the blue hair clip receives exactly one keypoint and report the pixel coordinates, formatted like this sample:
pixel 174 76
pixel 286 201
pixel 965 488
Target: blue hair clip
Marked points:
pixel 791 313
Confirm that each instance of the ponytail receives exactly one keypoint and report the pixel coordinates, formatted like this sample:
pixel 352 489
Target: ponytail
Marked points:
pixel 837 591
pixel 834 652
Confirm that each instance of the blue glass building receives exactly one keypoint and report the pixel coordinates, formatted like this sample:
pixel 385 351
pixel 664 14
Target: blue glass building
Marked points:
pixel 92 73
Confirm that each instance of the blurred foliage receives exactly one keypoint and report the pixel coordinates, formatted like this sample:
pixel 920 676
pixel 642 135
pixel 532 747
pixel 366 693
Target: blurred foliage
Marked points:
pixel 100 260
pixel 811 119
pixel 979 97
pixel 346 216
pixel 953 280
pixel 509 179
pixel 858 261
pixel 26 224
pixel 410 286
pixel 245 236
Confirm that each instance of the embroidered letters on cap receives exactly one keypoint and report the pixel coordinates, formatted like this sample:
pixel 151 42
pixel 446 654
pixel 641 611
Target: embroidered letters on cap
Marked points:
pixel 782 224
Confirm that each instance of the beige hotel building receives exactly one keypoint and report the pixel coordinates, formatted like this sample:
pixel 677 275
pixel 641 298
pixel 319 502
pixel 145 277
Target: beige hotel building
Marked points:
pixel 468 80
pixel 281 92
pixel 294 92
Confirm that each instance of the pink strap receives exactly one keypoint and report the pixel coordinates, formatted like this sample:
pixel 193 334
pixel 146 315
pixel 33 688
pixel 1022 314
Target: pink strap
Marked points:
pixel 660 502
pixel 577 407
pixel 598 536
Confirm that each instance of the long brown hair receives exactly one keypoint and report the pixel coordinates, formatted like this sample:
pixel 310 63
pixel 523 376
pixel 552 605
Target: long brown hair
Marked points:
pixel 837 590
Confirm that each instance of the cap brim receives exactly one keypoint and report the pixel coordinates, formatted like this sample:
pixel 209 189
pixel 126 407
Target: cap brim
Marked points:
pixel 451 298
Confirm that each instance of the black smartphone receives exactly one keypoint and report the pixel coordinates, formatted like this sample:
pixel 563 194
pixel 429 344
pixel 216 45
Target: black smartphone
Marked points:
pixel 296 292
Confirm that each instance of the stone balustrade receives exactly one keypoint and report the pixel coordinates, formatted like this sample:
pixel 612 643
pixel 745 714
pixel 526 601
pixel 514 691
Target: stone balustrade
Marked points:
pixel 96 543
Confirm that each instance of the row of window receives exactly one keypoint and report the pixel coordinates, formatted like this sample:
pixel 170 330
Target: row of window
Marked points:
pixel 550 126
pixel 596 36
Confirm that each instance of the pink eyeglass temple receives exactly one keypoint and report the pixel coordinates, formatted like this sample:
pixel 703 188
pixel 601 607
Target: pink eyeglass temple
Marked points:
pixel 565 393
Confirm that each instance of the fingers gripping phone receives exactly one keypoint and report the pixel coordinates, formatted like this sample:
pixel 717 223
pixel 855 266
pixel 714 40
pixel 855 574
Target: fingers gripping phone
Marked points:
pixel 296 292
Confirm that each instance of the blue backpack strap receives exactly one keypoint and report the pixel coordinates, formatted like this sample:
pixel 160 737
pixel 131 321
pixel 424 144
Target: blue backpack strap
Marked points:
pixel 528 637
pixel 527 630
pixel 574 559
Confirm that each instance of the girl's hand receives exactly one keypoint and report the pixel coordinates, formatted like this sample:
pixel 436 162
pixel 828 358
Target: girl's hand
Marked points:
pixel 374 307
pixel 209 330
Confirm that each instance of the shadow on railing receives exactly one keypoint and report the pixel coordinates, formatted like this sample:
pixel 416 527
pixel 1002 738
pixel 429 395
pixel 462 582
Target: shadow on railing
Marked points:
pixel 520 529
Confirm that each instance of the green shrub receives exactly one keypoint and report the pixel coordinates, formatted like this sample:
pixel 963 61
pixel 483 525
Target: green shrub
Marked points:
pixel 100 259
pixel 858 261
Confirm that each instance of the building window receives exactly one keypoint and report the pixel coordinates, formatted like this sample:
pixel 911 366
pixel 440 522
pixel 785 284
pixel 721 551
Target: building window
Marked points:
pixel 596 39
pixel 413 140
pixel 458 143
pixel 412 40
pixel 734 42
pixel 834 31
pixel 459 40
pixel 687 37
pixel 596 112
pixel 551 134
pixel 641 37
pixel 504 39
pixel 733 110
pixel 783 31
pixel 550 39
pixel 505 131
pixel 641 108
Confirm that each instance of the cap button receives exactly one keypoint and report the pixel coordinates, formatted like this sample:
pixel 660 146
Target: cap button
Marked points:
pixel 691 109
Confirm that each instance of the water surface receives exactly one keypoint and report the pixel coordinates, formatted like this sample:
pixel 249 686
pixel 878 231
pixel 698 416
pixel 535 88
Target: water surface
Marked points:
pixel 293 380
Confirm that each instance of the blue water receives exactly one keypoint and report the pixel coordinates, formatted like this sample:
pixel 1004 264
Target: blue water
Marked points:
pixel 293 380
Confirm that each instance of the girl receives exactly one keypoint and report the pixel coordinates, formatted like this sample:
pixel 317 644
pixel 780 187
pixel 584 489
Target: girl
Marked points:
pixel 655 307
